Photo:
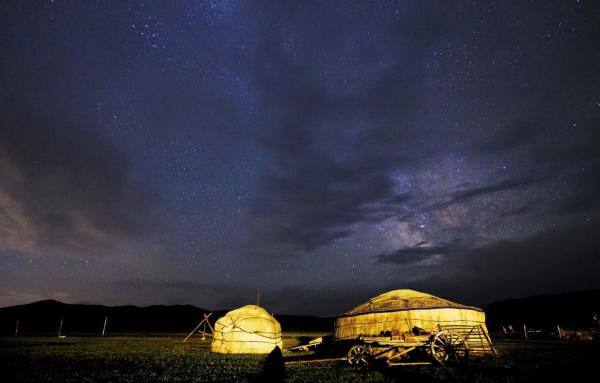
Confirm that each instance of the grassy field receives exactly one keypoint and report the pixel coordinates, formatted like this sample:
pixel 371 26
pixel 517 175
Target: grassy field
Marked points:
pixel 166 359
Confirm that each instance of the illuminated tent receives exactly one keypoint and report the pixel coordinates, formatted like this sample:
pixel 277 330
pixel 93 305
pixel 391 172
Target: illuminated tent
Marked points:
pixel 399 311
pixel 247 330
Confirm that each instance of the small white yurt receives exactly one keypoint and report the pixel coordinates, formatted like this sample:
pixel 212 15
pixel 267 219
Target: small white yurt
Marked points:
pixel 247 330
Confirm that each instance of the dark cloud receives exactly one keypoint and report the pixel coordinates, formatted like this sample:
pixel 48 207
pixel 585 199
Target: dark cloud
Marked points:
pixel 503 185
pixel 417 254
pixel 513 136
pixel 65 187
pixel 465 195
pixel 312 198
pixel 524 209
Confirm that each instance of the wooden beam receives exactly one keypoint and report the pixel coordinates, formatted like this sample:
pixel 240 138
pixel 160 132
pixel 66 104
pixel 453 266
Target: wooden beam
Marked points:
pixel 315 360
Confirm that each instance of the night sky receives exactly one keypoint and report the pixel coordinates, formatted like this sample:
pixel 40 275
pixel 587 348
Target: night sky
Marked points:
pixel 190 152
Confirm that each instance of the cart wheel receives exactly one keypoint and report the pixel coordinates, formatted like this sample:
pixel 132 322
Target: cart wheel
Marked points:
pixel 358 355
pixel 447 345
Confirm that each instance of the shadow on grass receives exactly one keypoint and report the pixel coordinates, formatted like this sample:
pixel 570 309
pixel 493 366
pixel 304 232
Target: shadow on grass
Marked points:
pixel 273 369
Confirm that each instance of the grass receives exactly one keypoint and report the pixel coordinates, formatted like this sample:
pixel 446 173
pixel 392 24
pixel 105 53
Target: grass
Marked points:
pixel 166 359
pixel 120 359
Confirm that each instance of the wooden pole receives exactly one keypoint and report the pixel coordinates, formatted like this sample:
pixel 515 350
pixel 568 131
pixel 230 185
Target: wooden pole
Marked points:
pixel 203 323
pixel 60 327
pixel 525 330
pixel 104 327
pixel 212 330
pixel 488 339
pixel 193 331
pixel 17 329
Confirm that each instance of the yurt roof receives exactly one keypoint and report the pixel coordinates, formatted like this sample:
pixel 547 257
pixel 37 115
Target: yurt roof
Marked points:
pixel 403 300
pixel 249 311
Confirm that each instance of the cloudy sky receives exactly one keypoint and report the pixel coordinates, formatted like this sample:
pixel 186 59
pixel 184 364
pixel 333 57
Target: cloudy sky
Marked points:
pixel 189 152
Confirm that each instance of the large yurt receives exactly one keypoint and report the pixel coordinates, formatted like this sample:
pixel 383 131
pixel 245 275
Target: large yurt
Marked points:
pixel 399 311
pixel 247 330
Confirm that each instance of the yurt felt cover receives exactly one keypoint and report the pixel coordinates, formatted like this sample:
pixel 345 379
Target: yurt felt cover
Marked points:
pixel 247 330
pixel 398 311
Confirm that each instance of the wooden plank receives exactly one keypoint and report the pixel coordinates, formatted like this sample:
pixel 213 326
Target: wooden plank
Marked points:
pixel 326 360
pixel 409 363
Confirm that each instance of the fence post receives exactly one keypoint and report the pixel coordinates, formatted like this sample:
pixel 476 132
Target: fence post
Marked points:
pixel 104 327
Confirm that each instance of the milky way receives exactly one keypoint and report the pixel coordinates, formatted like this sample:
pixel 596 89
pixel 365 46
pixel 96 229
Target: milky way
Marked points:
pixel 157 153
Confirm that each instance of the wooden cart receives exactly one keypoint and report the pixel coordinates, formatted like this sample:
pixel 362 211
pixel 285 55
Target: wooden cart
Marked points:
pixel 448 343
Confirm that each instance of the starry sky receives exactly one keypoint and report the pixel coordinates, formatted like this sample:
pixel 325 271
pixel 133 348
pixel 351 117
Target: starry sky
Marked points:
pixel 158 152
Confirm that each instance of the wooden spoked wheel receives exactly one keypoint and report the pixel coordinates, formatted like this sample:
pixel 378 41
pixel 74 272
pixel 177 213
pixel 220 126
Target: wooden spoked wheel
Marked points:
pixel 447 345
pixel 358 355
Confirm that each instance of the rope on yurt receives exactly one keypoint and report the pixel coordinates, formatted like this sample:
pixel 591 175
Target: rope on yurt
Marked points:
pixel 264 334
pixel 355 323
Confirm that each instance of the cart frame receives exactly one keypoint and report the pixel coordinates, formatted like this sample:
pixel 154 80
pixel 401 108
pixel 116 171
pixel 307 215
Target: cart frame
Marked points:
pixel 444 345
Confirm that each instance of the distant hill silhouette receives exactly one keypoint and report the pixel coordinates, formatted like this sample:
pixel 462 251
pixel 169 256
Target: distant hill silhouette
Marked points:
pixel 569 310
pixel 44 317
